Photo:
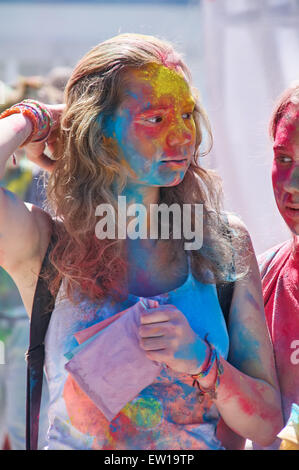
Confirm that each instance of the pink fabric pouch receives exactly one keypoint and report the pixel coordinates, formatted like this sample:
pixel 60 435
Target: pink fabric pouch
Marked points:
pixel 109 365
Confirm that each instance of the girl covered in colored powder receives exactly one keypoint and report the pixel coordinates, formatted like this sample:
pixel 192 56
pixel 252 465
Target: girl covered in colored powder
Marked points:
pixel 280 265
pixel 138 353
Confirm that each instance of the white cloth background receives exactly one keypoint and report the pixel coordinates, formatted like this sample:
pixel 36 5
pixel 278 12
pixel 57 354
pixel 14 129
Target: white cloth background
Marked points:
pixel 251 53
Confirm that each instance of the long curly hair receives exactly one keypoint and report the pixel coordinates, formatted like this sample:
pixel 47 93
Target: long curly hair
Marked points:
pixel 87 168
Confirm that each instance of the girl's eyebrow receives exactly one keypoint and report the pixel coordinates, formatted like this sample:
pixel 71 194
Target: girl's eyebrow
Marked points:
pixel 153 109
pixel 150 109
pixel 280 148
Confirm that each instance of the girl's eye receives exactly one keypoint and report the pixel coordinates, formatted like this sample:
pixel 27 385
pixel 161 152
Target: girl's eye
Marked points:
pixel 285 159
pixel 154 119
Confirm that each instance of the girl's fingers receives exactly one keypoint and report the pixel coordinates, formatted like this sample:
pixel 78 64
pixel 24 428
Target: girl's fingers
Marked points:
pixel 156 315
pixel 45 162
pixel 53 136
pixel 42 160
pixel 51 148
pixel 153 344
pixel 35 153
pixel 56 112
pixel 153 330
pixel 158 356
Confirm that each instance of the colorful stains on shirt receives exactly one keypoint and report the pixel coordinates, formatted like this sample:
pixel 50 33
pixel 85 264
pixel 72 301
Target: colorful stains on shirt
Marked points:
pixel 164 415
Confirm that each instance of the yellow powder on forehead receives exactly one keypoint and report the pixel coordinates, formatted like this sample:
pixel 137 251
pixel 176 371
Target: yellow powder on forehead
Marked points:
pixel 164 80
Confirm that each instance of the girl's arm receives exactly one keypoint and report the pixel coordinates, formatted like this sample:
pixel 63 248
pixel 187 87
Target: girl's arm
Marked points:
pixel 248 396
pixel 14 130
pixel 24 228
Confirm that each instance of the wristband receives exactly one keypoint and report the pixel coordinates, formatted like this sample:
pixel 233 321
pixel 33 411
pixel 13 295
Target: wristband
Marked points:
pixel 39 116
pixel 29 113
pixel 211 391
pixel 45 119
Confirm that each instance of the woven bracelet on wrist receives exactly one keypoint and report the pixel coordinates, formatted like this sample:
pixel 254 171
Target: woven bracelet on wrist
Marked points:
pixel 211 391
pixel 45 120
pixel 29 113
pixel 39 116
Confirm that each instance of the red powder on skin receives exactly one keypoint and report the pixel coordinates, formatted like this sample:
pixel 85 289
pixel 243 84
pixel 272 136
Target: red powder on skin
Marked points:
pixel 287 124
pixel 284 175
pixel 247 406
pixel 232 392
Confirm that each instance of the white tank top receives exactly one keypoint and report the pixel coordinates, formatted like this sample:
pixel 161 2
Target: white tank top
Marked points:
pixel 165 415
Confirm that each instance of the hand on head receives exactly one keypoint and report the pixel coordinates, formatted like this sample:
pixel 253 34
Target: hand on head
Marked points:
pixel 35 151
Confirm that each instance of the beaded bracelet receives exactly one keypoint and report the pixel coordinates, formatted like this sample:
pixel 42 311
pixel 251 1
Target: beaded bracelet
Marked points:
pixel 211 391
pixel 46 121
pixel 28 112
pixel 39 116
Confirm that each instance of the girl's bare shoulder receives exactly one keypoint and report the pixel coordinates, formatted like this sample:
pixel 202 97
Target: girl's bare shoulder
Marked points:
pixel 26 269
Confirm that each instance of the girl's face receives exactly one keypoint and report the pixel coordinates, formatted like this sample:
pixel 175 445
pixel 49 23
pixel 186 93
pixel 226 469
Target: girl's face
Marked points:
pixel 153 129
pixel 285 170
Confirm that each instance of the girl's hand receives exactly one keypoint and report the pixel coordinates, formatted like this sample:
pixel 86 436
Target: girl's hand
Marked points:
pixel 35 150
pixel 167 337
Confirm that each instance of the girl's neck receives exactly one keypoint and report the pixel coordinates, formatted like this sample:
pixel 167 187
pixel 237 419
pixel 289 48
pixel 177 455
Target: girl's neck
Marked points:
pixel 141 194
pixel 145 196
pixel 139 199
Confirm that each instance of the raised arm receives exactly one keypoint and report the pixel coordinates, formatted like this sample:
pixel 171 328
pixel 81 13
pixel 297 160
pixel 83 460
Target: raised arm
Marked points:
pixel 24 228
pixel 247 395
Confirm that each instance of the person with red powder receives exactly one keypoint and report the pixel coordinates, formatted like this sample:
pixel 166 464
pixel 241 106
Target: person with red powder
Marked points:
pixel 138 352
pixel 280 265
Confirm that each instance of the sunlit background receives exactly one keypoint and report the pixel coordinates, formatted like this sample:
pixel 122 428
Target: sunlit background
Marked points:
pixel 242 54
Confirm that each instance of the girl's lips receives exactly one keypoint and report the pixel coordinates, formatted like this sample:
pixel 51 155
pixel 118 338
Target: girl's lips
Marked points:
pixel 174 161
pixel 292 211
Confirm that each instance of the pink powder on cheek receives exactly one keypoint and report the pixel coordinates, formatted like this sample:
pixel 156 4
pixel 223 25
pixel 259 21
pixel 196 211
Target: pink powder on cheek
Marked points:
pixel 286 136
pixel 277 182
pixel 281 196
pixel 276 179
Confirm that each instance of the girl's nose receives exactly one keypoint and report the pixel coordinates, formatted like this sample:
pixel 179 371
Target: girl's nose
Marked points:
pixel 292 183
pixel 178 135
